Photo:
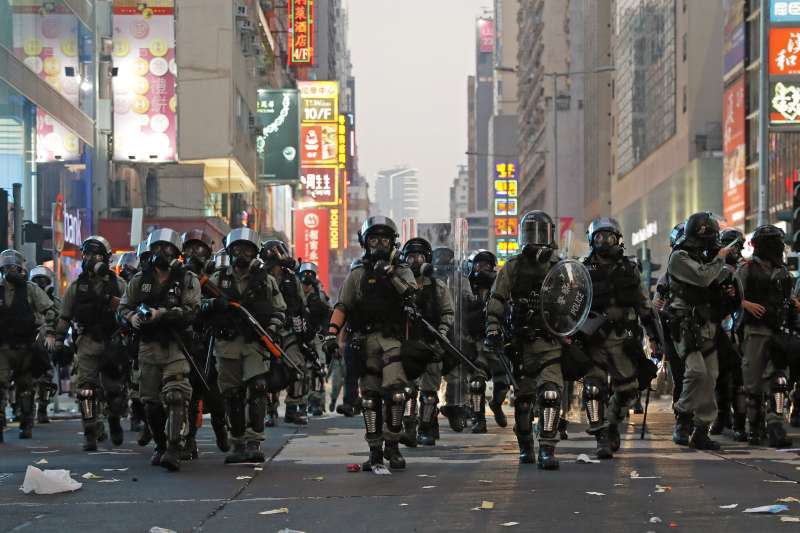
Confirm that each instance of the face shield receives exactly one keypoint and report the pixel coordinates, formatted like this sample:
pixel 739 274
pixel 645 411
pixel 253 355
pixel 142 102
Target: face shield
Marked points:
pixel 536 233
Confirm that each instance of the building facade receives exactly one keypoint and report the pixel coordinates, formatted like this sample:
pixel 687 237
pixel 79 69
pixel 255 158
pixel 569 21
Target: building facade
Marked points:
pixel 397 193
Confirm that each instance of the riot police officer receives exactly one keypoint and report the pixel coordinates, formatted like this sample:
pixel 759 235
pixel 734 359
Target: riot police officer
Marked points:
pixel 20 302
pixel 731 397
pixel 90 304
pixel 127 266
pixel 702 296
pixel 372 301
pixel 319 316
pixel 196 254
pixel 540 381
pixel 45 279
pixel 434 305
pixel 615 341
pixel 481 267
pixel 242 361
pixel 295 333
pixel 161 303
pixel 767 343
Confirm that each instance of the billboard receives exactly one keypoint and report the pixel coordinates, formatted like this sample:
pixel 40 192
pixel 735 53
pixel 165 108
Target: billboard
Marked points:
pixel 320 185
pixel 301 32
pixel 505 225
pixel 277 146
pixel 733 36
pixel 485 35
pixel 312 239
pixel 54 142
pixel 784 103
pixel 784 51
pixel 784 10
pixel 145 99
pixel 734 194
pixel 319 144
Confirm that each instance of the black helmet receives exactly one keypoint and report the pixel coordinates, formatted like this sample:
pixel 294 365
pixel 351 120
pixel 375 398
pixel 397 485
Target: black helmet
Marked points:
pixel 605 236
pixel 676 234
pixel 701 232
pixel 420 246
pixel 276 252
pixel 768 243
pixel 196 236
pixel 481 278
pixel 766 232
pixel 308 273
pixel 537 235
pixel 443 260
pixel 729 235
pixel 95 244
pixel 377 224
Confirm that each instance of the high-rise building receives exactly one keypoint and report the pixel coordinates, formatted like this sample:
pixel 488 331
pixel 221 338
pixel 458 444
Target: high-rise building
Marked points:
pixel 667 146
pixel 459 194
pixel 397 193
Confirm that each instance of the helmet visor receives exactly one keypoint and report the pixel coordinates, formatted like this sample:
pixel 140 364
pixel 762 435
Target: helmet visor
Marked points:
pixel 536 233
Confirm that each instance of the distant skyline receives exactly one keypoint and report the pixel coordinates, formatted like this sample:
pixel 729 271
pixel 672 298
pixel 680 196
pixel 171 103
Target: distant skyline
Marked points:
pixel 411 60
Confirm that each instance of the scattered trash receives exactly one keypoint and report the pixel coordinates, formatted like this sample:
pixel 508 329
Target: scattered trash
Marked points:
pixel 112 480
pixel 258 469
pixel 596 493
pixel 41 462
pixel 287 530
pixel 509 524
pixel 485 481
pixel 425 475
pixel 635 475
pixel 673 525
pixel 429 487
pixel 585 459
pixel 663 488
pixel 788 450
pixel 89 475
pixel 619 484
pixel 403 505
pixel 731 506
pixel 788 499
pixel 280 510
pixel 655 520
pixel 354 467
pixel 155 529
pixel 780 481
pixel 486 505
pixel 115 470
pixel 45 451
pixel 315 478
pixel 768 509
pixel 790 519
pixel 48 481
pixel 239 478
pixel 381 470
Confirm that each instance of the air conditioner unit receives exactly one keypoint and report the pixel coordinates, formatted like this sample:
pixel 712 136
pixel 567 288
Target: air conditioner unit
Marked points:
pixel 241 10
pixel 246 24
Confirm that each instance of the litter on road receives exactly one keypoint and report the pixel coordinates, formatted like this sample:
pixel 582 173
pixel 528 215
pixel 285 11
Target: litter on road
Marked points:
pixel 48 481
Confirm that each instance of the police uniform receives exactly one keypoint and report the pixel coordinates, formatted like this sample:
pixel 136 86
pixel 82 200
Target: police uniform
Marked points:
pixel 319 316
pixel 19 306
pixel 45 386
pixel 293 337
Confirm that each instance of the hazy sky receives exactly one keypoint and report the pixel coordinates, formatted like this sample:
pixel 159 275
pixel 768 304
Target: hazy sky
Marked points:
pixel 411 59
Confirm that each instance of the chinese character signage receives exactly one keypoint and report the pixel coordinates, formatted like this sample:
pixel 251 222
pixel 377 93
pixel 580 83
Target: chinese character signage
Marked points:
pixel 733 36
pixel 312 239
pixel 784 10
pixel 784 103
pixel 784 51
pixel 505 208
pixel 277 146
pixel 734 194
pixel 318 144
pixel 320 185
pixel 145 100
pixel 301 32
pixel 486 35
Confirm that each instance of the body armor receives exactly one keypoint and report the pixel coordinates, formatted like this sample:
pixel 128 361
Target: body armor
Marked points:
pixel 19 322
pixel 617 284
pixel 429 308
pixel 93 312
pixel 380 306
pixel 525 290
pixel 167 296
pixel 255 298
pixel 772 290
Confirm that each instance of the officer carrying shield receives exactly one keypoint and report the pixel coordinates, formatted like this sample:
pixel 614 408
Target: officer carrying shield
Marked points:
pixel 45 387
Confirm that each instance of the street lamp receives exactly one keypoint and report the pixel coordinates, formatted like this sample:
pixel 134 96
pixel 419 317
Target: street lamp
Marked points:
pixel 565 104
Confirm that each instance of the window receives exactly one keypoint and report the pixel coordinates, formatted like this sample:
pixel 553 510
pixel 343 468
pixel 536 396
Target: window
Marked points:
pixel 684 98
pixel 685 46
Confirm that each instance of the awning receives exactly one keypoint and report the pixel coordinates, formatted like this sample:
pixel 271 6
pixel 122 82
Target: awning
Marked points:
pixel 224 175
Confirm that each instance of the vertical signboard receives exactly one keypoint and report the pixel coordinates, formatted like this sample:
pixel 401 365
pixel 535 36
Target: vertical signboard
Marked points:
pixel 506 200
pixel 734 195
pixel 733 37
pixel 784 10
pixel 277 146
pixel 301 32
pixel 485 35
pixel 312 239
pixel 145 100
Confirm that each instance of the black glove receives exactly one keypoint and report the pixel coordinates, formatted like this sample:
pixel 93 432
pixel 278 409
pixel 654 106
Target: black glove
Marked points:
pixel 494 340
pixel 63 355
pixel 330 344
pixel 381 267
pixel 221 303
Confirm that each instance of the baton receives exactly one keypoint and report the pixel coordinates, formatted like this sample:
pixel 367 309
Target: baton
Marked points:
pixel 508 369
pixel 445 343
pixel 210 354
pixel 189 358
pixel 644 418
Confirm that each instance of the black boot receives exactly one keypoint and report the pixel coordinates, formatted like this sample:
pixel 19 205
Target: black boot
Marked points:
pixel 739 429
pixel 426 435
pixel 392 453
pixel 755 420
pixel 547 457
pixel 145 435
pixel 254 453
pixel 221 433
pixel 41 413
pixel 27 415
pixel 137 415
pixel 170 459
pixel 722 421
pixel 638 408
pixel 272 412
pixel 562 429
pixel 409 435
pixel 115 428
pixel 613 437
pixel 375 459
pixel 294 416
pixel 603 447
pixel 776 436
pixel 683 423
pixel 156 419
pixel 794 411
pixel 189 451
pixel 496 405
pixel 238 454
pixel 158 451
pixel 455 417
pixel 346 410
pixel 90 435
pixel 315 407
pixel 479 423
pixel 700 439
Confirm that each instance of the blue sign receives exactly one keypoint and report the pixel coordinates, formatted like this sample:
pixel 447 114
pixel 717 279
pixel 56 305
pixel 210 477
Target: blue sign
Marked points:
pixel 734 49
pixel 784 10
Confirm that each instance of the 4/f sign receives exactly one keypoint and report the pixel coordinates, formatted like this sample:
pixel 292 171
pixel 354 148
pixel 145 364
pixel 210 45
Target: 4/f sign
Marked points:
pixel 301 32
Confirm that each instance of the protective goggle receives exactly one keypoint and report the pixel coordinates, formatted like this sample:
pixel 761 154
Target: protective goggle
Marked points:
pixel 243 250
pixel 483 266
pixel 605 238
pixel 374 240
pixel 196 249
pixel 415 257
pixel 163 248
pixel 537 233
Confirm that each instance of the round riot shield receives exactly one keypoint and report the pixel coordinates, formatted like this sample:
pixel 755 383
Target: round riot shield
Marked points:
pixel 566 297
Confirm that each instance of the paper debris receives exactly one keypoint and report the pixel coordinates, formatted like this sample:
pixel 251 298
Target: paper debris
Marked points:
pixel 315 478
pixel 788 499
pixel 509 524
pixel 287 530
pixel 585 459
pixel 353 467
pixel 155 529
pixel 769 509
pixel 45 451
pixel 429 487
pixel 41 462
pixel 780 481
pixel 655 520
pixel 258 469
pixel 673 525
pixel 425 475
pixel 115 470
pixel 596 493
pixel 403 505
pixel 112 480
pixel 239 478
pixel 788 450
pixel 280 510
pixel 381 470
pixel 731 506
pixel 790 519
pixel 48 481
pixel 486 505
pixel 89 475
pixel 485 481
pixel 663 488
pixel 635 475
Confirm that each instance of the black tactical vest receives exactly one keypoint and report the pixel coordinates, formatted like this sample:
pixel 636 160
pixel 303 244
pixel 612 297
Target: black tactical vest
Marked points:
pixel 167 296
pixel 256 298
pixel 616 284
pixel 770 289
pixel 92 311
pixel 526 287
pixel 18 321
pixel 475 313
pixel 429 307
pixel 379 306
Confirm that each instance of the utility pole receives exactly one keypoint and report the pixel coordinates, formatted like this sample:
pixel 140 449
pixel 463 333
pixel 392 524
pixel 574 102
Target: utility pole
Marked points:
pixel 763 116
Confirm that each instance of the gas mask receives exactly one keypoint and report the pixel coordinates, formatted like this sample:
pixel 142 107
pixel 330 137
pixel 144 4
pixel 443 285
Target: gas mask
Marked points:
pixel 771 250
pixel 94 263
pixel 482 279
pixel 416 261
pixel 243 255
pixel 14 276
pixel 379 247
pixel 164 256
pixel 734 257
pixel 607 245
pixel 538 254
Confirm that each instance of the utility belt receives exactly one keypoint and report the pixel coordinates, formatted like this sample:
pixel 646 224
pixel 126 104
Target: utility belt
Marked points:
pixel 387 329
pixel 686 328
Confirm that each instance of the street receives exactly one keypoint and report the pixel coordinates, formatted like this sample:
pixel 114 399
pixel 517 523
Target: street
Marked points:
pixel 651 485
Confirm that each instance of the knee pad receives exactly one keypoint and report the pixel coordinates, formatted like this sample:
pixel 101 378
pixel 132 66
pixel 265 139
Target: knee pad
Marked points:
pixel 477 392
pixel 86 402
pixel 428 403
pixel 594 401
pixel 257 386
pixel 477 386
pixel 410 409
pixel 395 403
pixel 174 398
pixel 779 387
pixel 371 410
pixel 523 416
pixel 550 410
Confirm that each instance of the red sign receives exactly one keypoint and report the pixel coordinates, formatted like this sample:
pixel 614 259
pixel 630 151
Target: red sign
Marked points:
pixel 734 194
pixel 784 51
pixel 486 35
pixel 301 32
pixel 320 185
pixel 312 239
pixel 58 223
pixel 318 144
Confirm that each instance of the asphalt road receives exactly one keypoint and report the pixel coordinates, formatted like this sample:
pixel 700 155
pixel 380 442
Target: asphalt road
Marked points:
pixel 650 485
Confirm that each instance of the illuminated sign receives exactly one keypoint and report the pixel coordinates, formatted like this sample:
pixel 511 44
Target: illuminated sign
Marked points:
pixel 507 247
pixel 650 229
pixel 784 103
pixel 784 11
pixel 311 230
pixel 278 117
pixel 301 32
pixel 145 99
pixel 334 228
pixel 734 158
pixel 784 51
pixel 506 227
pixel 505 188
pixel 486 35
pixel 505 207
pixel 318 144
pixel 320 185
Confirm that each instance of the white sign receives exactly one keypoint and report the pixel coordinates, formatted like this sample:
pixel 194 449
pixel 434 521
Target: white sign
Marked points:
pixel 649 230
pixel 72 227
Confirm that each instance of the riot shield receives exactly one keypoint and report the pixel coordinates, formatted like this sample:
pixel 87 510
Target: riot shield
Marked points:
pixel 458 284
pixel 566 297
